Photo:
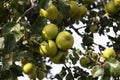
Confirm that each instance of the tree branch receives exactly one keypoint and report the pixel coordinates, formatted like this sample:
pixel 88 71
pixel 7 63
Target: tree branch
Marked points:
pixel 67 68
pixel 33 5
pixel 76 30
pixel 103 1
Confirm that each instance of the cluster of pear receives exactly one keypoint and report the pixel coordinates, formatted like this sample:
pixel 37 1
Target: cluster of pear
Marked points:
pixel 113 6
pixel 53 14
pixel 56 43
pixel 30 69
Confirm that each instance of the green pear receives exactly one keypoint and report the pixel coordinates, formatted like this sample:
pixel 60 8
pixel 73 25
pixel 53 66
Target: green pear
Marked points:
pixel 42 66
pixel 93 28
pixel 28 68
pixel 109 52
pixel 50 31
pixel 82 11
pixel 74 7
pixel 51 13
pixel 64 40
pixel 57 59
pixel 84 61
pixel 32 75
pixel 48 48
pixel 41 75
pixel 111 8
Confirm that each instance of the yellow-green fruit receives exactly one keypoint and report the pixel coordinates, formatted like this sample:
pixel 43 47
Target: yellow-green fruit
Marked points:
pixel 50 31
pixel 93 28
pixel 73 7
pixel 84 61
pixel 94 55
pixel 82 11
pixel 117 3
pixel 42 67
pixel 64 40
pixel 58 58
pixel 32 75
pixel 51 13
pixel 48 48
pixel 110 7
pixel 89 2
pixel 41 75
pixel 28 68
pixel 109 52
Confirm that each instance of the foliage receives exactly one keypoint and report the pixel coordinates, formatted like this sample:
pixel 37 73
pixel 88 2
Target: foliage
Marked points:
pixel 21 25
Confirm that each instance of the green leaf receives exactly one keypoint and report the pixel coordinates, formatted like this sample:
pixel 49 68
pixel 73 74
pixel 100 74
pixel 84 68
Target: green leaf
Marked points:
pixel 114 66
pixel 106 77
pixel 38 25
pixel 8 27
pixel 44 3
pixel 64 8
pixel 7 61
pixel 6 65
pixel 69 76
pixel 97 71
pixel 9 42
pixel 18 35
pixel 1 43
pixel 61 75
pixel 17 70
pixel 73 59
pixel 21 54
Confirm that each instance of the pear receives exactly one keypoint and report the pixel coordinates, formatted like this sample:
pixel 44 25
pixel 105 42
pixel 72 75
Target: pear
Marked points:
pixel 28 68
pixel 32 75
pixel 82 11
pixel 111 8
pixel 51 13
pixel 109 52
pixel 57 59
pixel 41 75
pixel 74 7
pixel 64 40
pixel 48 48
pixel 50 31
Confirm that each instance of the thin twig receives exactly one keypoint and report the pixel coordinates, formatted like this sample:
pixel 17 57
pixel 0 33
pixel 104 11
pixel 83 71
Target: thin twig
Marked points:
pixel 76 30
pixel 81 27
pixel 67 68
pixel 33 5
pixel 98 45
pixel 24 14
